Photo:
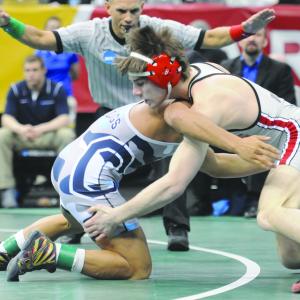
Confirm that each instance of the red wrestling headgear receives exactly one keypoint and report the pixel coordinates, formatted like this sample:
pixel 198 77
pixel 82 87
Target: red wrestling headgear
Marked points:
pixel 162 70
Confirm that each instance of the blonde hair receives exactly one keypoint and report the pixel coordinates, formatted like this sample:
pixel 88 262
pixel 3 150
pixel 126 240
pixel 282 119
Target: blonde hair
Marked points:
pixel 149 42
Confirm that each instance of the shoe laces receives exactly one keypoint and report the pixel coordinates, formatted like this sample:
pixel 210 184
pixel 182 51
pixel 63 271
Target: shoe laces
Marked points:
pixel 38 257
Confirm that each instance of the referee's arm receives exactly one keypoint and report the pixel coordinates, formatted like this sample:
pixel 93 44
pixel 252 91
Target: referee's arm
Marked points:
pixel 27 34
pixel 222 36
pixel 38 39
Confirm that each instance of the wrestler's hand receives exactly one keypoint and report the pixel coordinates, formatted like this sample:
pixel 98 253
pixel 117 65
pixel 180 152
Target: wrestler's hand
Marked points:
pixel 4 18
pixel 258 20
pixel 255 149
pixel 102 224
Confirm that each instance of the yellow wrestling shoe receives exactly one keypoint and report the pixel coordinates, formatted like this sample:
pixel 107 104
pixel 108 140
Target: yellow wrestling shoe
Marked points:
pixel 4 260
pixel 39 252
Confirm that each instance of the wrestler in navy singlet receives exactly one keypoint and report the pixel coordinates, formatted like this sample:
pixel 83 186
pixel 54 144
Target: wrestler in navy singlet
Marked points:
pixel 88 171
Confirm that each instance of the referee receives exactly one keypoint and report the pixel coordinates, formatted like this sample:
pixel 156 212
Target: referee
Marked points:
pixel 99 41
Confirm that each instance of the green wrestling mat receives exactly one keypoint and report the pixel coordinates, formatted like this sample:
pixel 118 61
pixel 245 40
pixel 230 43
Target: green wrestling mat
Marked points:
pixel 230 258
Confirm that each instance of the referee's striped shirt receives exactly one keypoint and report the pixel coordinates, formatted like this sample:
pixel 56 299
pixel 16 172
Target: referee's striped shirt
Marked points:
pixel 96 42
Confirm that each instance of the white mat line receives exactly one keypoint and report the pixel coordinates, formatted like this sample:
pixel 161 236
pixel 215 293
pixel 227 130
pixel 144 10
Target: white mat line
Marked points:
pixel 252 271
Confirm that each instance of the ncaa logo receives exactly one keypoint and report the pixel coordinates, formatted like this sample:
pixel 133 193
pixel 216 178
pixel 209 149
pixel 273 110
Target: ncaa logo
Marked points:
pixel 108 57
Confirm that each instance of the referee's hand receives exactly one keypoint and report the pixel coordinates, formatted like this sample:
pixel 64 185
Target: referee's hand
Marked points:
pixel 259 20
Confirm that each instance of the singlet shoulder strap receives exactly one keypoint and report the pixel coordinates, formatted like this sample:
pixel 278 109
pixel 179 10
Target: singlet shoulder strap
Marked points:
pixel 198 76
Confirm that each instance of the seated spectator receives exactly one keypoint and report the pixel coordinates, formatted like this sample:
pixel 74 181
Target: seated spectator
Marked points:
pixel 35 116
pixel 62 67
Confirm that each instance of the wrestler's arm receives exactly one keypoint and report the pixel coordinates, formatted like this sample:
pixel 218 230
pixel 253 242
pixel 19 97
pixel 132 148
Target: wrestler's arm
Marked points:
pixel 184 165
pixel 225 165
pixel 194 124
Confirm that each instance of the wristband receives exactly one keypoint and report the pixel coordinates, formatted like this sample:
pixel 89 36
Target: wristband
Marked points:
pixel 14 28
pixel 237 33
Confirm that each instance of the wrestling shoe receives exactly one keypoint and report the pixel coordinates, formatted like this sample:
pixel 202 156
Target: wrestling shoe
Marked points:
pixel 296 287
pixel 4 260
pixel 38 253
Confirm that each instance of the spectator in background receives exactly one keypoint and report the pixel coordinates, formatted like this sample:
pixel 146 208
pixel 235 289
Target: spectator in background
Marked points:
pixel 271 74
pixel 35 116
pixel 62 67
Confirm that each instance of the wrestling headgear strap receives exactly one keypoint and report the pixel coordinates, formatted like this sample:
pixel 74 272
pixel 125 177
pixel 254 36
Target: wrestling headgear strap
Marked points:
pixel 162 70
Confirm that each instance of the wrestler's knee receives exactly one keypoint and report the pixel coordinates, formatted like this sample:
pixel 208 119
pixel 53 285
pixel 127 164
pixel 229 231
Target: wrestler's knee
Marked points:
pixel 143 271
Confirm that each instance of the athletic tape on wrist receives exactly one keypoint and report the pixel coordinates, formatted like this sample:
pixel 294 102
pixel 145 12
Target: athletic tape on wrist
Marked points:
pixel 15 28
pixel 237 33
